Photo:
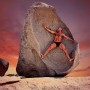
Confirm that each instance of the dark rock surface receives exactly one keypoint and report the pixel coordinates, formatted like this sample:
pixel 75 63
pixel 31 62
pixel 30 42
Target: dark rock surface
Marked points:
pixel 35 40
pixel 3 67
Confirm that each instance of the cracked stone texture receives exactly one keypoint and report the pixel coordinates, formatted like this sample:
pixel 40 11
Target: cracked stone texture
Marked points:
pixel 3 66
pixel 35 40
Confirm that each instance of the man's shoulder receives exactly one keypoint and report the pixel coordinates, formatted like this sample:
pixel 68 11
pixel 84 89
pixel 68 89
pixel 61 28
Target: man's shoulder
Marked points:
pixel 62 34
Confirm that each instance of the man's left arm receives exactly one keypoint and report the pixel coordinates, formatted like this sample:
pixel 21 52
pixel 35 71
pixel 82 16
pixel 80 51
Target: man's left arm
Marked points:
pixel 68 38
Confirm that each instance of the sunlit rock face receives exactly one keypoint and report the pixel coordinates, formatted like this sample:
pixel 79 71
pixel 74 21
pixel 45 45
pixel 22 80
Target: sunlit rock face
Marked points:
pixel 35 40
pixel 3 66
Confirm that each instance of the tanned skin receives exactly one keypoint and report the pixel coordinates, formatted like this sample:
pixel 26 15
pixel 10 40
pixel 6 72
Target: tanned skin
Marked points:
pixel 58 35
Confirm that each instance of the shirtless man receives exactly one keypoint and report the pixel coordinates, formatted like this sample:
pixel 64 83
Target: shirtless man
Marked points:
pixel 57 42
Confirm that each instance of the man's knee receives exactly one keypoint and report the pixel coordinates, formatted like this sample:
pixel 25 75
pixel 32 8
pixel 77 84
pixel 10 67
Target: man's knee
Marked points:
pixel 61 46
pixel 53 45
pixel 50 48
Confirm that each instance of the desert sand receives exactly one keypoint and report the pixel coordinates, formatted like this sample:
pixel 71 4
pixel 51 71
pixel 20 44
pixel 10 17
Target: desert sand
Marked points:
pixel 12 82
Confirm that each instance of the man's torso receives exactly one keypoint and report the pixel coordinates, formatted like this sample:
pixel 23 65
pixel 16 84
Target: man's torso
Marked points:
pixel 58 37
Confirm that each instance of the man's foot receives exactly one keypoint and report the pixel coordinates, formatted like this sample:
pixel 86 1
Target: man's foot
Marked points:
pixel 42 56
pixel 71 59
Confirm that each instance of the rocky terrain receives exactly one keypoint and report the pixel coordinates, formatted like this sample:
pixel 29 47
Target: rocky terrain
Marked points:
pixel 33 43
pixel 12 82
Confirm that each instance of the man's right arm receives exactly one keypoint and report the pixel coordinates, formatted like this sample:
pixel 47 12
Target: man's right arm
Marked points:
pixel 49 30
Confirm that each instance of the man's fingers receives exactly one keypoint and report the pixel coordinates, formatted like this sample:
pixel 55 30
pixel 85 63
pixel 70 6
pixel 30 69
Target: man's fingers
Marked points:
pixel 43 24
pixel 75 41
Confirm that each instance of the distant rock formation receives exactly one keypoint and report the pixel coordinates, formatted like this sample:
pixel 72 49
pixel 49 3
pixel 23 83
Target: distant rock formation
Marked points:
pixel 35 40
pixel 3 67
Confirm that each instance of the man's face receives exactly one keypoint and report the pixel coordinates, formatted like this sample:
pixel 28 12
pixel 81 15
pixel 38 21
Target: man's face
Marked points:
pixel 59 30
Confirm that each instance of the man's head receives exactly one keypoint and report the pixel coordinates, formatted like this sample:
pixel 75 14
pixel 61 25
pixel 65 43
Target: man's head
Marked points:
pixel 59 30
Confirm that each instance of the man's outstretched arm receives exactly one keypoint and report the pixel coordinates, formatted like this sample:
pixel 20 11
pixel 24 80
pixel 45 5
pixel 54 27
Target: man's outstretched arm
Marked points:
pixel 49 30
pixel 68 38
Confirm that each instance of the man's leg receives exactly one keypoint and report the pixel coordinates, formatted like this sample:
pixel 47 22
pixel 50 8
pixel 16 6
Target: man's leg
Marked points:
pixel 61 46
pixel 52 46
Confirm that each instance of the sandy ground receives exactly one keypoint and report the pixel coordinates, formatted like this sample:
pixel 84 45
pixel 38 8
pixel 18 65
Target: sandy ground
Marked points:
pixel 44 83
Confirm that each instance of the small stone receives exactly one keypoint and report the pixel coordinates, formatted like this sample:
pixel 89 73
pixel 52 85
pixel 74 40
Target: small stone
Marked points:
pixel 3 66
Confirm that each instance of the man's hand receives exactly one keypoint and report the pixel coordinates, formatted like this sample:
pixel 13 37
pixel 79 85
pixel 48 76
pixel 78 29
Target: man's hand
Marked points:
pixel 44 25
pixel 48 29
pixel 75 41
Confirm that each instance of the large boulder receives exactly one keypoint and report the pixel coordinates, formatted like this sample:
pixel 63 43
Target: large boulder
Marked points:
pixel 3 66
pixel 35 40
